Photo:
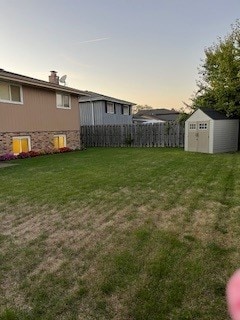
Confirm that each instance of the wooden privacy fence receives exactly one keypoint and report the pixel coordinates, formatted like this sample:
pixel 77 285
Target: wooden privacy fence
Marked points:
pixel 167 134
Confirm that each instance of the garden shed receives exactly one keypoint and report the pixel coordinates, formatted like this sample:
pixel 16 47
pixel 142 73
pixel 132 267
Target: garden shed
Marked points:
pixel 210 131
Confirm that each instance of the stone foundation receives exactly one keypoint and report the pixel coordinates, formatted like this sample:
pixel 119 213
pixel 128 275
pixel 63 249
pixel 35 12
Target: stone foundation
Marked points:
pixel 40 140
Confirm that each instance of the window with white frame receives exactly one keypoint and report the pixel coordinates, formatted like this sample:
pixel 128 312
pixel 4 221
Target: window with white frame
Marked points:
pixel 21 144
pixel 192 126
pixel 110 107
pixel 59 141
pixel 10 93
pixel 63 101
pixel 202 126
pixel 126 110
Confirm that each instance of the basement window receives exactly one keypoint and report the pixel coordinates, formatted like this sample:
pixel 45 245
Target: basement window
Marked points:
pixel 63 101
pixel 59 141
pixel 10 93
pixel 21 144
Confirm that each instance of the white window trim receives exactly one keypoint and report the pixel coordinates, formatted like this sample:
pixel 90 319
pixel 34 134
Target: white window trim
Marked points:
pixel 192 123
pixel 205 125
pixel 23 137
pixel 64 137
pixel 128 108
pixel 62 107
pixel 108 102
pixel 21 94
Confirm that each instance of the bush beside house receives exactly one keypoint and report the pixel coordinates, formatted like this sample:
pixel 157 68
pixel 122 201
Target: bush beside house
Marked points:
pixel 32 154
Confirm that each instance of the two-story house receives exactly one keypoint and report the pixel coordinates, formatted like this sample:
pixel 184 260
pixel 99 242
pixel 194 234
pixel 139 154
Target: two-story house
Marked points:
pixel 36 114
pixel 99 109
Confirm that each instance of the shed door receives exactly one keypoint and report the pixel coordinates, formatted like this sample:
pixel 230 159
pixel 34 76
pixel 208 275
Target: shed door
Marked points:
pixel 203 136
pixel 198 136
pixel 192 136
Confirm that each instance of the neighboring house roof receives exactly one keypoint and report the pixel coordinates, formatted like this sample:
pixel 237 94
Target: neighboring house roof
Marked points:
pixel 215 115
pixel 161 111
pixel 21 79
pixel 156 115
pixel 150 119
pixel 93 96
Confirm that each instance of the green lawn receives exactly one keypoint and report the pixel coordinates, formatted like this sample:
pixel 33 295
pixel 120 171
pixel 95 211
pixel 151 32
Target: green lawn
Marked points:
pixel 119 234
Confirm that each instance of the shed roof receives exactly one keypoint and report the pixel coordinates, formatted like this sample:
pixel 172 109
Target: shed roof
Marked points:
pixel 21 79
pixel 215 115
pixel 94 96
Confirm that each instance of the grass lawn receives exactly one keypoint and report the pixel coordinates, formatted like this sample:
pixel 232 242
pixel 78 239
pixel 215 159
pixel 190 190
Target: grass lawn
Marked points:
pixel 119 234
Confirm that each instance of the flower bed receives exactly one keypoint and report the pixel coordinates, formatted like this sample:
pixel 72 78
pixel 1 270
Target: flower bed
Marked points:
pixel 32 154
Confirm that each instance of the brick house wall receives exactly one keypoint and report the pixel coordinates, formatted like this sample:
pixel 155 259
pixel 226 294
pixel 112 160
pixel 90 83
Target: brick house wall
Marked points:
pixel 40 140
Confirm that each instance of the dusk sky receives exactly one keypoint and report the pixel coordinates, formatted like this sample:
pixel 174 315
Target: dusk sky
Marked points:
pixel 144 51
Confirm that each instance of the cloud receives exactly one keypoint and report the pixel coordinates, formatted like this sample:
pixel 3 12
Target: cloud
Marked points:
pixel 93 40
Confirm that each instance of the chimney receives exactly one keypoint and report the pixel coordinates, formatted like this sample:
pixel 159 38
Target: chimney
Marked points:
pixel 53 78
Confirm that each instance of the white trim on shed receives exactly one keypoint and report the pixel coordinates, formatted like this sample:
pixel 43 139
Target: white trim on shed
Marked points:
pixel 209 131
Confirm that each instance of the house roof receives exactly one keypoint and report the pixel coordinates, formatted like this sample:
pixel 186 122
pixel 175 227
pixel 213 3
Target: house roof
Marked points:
pixel 156 114
pixel 215 115
pixel 142 119
pixel 93 96
pixel 21 79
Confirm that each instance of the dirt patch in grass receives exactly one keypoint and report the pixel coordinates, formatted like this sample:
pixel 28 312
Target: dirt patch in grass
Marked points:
pixel 12 296
pixel 76 241
pixel 24 227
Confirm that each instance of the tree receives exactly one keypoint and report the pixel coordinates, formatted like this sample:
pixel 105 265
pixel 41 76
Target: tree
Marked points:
pixel 183 116
pixel 219 85
pixel 140 107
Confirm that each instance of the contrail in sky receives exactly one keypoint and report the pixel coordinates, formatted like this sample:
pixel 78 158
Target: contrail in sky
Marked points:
pixel 93 40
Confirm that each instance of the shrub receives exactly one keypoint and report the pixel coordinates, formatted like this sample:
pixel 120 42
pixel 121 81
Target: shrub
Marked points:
pixel 64 149
pixel 129 140
pixel 32 154
pixel 23 155
pixel 7 157
pixel 55 151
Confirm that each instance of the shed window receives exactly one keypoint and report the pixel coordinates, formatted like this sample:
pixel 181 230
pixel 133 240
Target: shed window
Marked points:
pixel 192 126
pixel 21 144
pixel 202 126
pixel 10 93
pixel 110 107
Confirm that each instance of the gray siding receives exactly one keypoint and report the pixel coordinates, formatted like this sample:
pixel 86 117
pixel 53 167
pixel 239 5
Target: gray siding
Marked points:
pixel 100 115
pixel 90 117
pixel 116 119
pixel 223 134
pixel 225 138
